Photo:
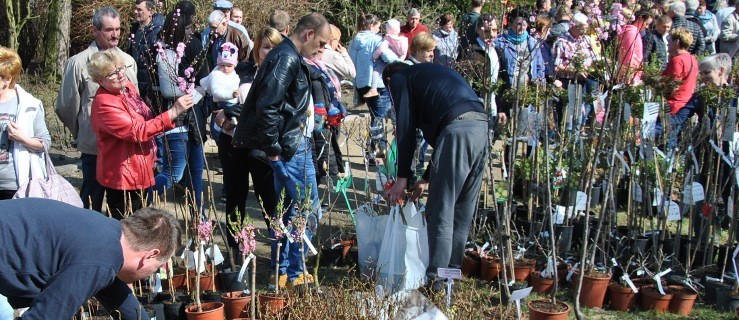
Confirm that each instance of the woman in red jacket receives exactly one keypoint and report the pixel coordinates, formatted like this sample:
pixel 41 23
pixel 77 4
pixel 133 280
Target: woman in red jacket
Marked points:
pixel 125 127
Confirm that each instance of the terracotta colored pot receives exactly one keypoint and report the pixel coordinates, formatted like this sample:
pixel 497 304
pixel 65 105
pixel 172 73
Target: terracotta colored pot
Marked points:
pixel 490 269
pixel 535 312
pixel 471 264
pixel 682 300
pixel 622 298
pixel 206 282
pixel 651 299
pixel 211 311
pixel 737 312
pixel 178 282
pixel 269 305
pixel 593 290
pixel 539 284
pixel 522 269
pixel 236 306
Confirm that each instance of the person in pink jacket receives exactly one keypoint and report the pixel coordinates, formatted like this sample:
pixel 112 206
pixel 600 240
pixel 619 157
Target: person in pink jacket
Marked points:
pixel 631 50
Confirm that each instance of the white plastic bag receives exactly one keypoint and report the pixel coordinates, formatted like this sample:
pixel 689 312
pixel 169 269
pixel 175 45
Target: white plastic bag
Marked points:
pixel 404 252
pixel 370 230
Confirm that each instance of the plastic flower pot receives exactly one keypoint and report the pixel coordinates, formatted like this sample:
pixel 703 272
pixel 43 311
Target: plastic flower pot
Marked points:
pixel 546 310
pixel 725 301
pixel 210 311
pixel 540 285
pixel 594 287
pixel 490 269
pixel 622 298
pixel 229 281
pixel 471 264
pixel 682 301
pixel 652 299
pixel 271 305
pixel 236 304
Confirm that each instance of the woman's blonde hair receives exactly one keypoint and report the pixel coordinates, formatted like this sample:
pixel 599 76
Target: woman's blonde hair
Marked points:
pixel 10 65
pixel 682 35
pixel 273 36
pixel 423 41
pixel 103 63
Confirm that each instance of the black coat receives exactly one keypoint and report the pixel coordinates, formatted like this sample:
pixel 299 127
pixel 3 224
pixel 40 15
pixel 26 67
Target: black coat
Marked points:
pixel 274 113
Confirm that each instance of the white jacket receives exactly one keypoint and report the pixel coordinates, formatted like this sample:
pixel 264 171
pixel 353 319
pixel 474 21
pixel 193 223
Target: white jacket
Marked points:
pixel 28 109
pixel 221 86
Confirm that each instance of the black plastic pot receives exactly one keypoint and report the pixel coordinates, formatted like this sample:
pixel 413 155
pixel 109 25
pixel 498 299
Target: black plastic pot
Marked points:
pixel 230 282
pixel 211 296
pixel 639 245
pixel 725 301
pixel 595 195
pixel 711 289
pixel 176 310
pixel 504 298
pixel 155 311
pixel 564 234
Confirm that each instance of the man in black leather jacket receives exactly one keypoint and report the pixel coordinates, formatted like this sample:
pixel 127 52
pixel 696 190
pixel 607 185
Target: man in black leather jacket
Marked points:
pixel 277 118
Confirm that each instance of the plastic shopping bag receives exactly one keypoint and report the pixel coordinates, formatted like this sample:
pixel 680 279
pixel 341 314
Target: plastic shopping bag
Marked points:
pixel 370 230
pixel 404 252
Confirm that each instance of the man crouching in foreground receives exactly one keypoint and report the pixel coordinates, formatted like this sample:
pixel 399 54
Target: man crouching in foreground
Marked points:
pixel 55 256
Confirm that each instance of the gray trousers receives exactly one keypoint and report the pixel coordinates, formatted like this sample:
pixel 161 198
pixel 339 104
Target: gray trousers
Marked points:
pixel 456 173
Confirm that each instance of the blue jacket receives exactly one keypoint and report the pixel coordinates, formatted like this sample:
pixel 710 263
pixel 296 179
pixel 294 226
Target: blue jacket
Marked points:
pixel 361 50
pixel 537 69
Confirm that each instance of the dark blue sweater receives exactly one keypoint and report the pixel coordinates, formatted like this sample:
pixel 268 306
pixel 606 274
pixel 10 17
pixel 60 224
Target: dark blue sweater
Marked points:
pixel 54 257
pixel 426 96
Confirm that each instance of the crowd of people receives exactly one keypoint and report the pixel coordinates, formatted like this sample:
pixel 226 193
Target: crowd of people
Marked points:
pixel 140 115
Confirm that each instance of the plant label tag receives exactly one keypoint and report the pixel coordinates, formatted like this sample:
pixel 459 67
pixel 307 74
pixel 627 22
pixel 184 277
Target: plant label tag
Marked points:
pixel 626 278
pixel 636 193
pixel 449 273
pixel 615 263
pixel 659 152
pixel 673 211
pixel 733 260
pixel 623 161
pixel 157 282
pixel 549 270
pixel 658 278
pixel 581 203
pixel 639 272
pixel 244 266
pixel 559 216
pixel 657 200
pixel 218 256
pixel 521 294
pixel 485 246
pixel 730 207
pixel 309 244
pixel 693 193
pixel 572 271
pixel 663 273
pixel 518 309
pixel 713 279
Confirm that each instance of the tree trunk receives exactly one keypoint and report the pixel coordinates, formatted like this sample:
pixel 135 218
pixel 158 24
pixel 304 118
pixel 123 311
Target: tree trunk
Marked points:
pixel 56 46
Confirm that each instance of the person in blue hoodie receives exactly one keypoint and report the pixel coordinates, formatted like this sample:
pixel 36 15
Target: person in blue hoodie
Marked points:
pixel 144 33
pixel 522 61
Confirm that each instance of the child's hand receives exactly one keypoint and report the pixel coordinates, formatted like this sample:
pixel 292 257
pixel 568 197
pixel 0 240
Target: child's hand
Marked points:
pixel 236 93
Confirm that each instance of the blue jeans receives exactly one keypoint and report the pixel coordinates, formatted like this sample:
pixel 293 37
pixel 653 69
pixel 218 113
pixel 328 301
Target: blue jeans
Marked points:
pixel 676 125
pixel 379 108
pixel 6 311
pixel 91 191
pixel 176 153
pixel 296 178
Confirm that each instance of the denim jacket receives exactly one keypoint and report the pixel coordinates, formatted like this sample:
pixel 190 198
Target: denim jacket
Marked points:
pixel 537 69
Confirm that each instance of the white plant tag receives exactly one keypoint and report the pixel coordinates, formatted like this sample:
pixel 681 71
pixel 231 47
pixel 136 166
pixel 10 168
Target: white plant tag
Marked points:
pixel 309 244
pixel 581 203
pixel 521 294
pixel 626 278
pixel 218 256
pixel 698 192
pixel 623 161
pixel 637 194
pixel 449 273
pixel 657 200
pixel 733 260
pixel 730 207
pixel 572 271
pixel 559 216
pixel 658 278
pixel 485 246
pixel 673 211
pixel 157 282
pixel 244 266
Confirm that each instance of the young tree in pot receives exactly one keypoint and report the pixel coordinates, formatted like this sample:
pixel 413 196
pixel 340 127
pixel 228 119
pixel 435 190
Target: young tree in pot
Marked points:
pixel 245 237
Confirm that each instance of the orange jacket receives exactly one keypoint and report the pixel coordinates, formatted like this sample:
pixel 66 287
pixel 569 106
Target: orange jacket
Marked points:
pixel 125 139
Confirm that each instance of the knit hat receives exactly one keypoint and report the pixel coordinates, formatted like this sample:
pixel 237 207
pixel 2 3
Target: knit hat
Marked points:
pixel 228 53
pixel 392 26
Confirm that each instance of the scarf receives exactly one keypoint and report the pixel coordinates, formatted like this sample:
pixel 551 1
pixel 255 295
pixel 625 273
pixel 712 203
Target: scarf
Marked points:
pixel 516 39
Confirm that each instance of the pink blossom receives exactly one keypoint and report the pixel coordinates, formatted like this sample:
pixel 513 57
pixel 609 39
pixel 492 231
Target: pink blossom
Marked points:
pixel 184 85
pixel 180 52
pixel 205 230
pixel 245 239
pixel 189 71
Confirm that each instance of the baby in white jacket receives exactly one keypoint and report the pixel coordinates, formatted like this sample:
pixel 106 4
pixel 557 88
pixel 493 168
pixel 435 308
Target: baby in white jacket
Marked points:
pixel 223 83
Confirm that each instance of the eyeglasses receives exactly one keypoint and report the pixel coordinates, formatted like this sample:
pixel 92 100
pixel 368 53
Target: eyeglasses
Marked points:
pixel 116 73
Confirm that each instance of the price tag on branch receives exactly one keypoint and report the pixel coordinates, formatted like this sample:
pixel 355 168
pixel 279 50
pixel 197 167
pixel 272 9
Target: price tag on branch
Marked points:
pixel 636 193
pixel 657 200
pixel 581 202
pixel 673 211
